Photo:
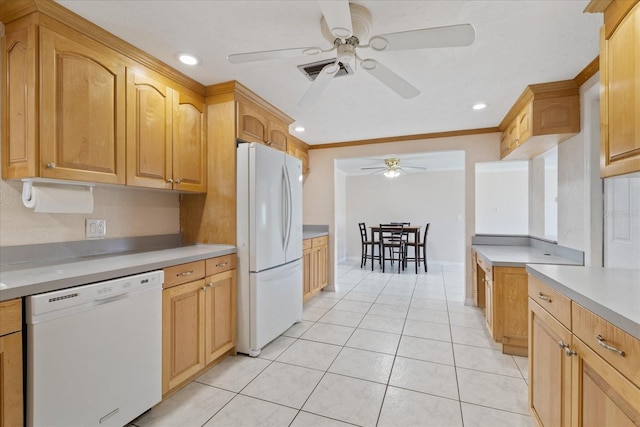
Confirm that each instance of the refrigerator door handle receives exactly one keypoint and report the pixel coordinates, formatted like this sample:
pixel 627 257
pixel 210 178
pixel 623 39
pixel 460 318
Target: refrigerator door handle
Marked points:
pixel 283 204
pixel 289 211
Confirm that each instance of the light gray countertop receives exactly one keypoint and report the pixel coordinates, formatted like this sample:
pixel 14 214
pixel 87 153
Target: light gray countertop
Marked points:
pixel 19 280
pixel 312 234
pixel 519 256
pixel 611 293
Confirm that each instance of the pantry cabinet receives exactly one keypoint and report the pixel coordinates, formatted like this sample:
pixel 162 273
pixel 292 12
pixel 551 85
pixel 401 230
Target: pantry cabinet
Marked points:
pixel 11 387
pixel 544 116
pixel 583 371
pixel 165 134
pixel 198 318
pixel 620 89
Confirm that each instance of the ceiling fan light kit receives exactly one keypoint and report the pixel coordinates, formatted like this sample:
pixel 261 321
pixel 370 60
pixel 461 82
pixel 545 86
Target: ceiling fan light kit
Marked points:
pixel 345 25
pixel 391 168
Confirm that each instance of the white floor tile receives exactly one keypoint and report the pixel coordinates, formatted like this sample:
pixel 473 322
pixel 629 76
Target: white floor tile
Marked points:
pixel 244 411
pixel 494 391
pixel 355 306
pixel 475 337
pixel 467 320
pixel 458 307
pixel 387 310
pixel 330 334
pixel 298 329
pixel 429 330
pixel 347 399
pixel 425 377
pixel 284 384
pixel 433 316
pixel 234 372
pixel 382 342
pixel 427 350
pixel 486 360
pixel 411 409
pixel 401 300
pixel 306 419
pixel 275 348
pixel 429 304
pixel 523 365
pixel 480 416
pixel 382 324
pixel 191 406
pixel 366 365
pixel 312 314
pixel 344 318
pixel 360 296
pixel 310 354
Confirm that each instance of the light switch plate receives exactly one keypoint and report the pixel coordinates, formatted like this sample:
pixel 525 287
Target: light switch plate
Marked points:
pixel 95 228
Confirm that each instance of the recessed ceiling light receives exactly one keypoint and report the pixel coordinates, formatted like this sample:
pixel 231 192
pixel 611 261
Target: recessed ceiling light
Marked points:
pixel 479 106
pixel 188 58
pixel 299 128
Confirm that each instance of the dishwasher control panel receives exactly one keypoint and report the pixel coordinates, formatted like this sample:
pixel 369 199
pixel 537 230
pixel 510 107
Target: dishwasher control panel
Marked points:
pixel 96 293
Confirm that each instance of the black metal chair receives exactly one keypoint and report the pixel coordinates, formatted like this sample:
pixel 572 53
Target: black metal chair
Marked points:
pixel 366 244
pixel 391 239
pixel 420 251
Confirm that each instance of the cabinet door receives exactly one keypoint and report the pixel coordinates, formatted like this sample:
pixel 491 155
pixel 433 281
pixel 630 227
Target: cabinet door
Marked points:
pixel 307 272
pixel 504 144
pixel 488 305
pixel 149 124
pixel 82 110
pixel 189 148
pixel 323 259
pixel 11 403
pixel 278 135
pixel 524 124
pixel 220 314
pixel 549 369
pixel 601 395
pixel 510 309
pixel 513 137
pixel 252 123
pixel 620 105
pixel 183 320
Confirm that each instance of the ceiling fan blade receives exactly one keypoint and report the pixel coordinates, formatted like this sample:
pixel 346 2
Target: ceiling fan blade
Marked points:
pixel 379 168
pixel 389 78
pixel 238 58
pixel 414 167
pixel 449 36
pixel 338 17
pixel 319 85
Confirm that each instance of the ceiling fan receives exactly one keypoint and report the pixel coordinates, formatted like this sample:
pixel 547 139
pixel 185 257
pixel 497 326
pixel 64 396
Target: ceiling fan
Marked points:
pixel 345 26
pixel 392 168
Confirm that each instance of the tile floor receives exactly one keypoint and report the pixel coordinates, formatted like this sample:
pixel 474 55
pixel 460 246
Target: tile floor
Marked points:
pixel 384 350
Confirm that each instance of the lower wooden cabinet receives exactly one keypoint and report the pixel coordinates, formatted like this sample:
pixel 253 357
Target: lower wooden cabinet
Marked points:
pixel 570 383
pixel 198 319
pixel 11 403
pixel 315 265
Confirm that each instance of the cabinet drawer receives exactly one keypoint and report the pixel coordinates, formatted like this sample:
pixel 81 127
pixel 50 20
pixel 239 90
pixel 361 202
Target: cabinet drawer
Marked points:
pixel 551 300
pixel 319 241
pixel 220 264
pixel 183 273
pixel 484 264
pixel 306 244
pixel 588 327
pixel 10 316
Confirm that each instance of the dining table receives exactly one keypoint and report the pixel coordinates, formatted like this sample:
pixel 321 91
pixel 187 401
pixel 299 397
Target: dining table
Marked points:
pixel 410 230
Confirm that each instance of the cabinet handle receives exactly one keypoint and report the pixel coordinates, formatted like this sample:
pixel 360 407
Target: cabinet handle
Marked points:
pixel 602 343
pixel 562 345
pixel 568 352
pixel 177 181
pixel 170 181
pixel 51 165
pixel 544 297
pixel 222 264
pixel 185 273
pixel 204 288
pixel 268 143
pixel 210 285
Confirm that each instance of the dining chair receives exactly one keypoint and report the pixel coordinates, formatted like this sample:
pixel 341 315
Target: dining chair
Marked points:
pixel 391 238
pixel 366 244
pixel 421 248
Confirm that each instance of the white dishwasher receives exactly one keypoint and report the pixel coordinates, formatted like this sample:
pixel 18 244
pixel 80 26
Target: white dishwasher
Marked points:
pixel 94 352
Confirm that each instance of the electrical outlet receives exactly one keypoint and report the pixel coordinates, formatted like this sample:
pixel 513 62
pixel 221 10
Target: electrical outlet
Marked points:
pixel 95 228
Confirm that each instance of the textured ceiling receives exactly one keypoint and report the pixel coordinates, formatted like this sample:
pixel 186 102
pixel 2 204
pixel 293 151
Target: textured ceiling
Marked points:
pixel 517 43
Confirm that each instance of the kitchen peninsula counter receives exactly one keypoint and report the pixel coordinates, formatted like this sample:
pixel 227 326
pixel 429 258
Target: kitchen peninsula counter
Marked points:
pixel 19 280
pixel 611 293
pixel 519 256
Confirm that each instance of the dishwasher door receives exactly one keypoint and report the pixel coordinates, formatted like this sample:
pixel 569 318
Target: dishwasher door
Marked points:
pixel 94 353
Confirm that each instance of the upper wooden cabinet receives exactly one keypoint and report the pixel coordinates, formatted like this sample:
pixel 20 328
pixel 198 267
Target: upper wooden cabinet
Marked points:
pixel 620 89
pixel 73 108
pixel 299 150
pixel 544 115
pixel 257 125
pixel 165 135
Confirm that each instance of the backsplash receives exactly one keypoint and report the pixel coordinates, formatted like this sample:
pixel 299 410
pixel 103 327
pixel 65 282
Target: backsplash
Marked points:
pixel 128 211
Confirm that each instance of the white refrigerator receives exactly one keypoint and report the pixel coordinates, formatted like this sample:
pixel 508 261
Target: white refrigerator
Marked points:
pixel 269 241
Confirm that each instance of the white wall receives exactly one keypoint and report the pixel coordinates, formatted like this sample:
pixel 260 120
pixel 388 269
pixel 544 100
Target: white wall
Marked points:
pixel 419 198
pixel 502 198
pixel 129 212
pixel 319 204
pixel 341 197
